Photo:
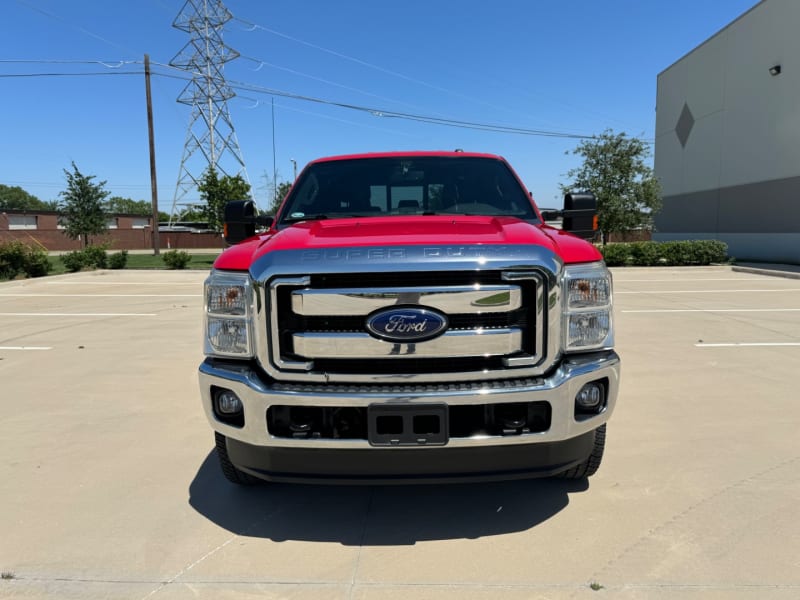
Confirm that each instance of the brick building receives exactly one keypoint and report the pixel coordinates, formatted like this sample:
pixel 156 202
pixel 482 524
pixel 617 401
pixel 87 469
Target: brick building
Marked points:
pixel 125 232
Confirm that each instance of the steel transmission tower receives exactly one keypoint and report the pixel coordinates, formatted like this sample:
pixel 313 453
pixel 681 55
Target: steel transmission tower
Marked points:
pixel 211 138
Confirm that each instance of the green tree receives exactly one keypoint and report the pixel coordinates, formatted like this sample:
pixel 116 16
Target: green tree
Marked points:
pixel 275 190
pixel 280 193
pixel 217 191
pixel 83 206
pixel 14 197
pixel 614 169
pixel 194 212
pixel 128 206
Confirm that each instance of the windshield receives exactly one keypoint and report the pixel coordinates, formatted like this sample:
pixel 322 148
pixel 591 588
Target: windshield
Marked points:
pixel 428 185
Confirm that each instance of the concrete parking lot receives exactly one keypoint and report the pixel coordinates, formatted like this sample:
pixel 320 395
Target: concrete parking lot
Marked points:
pixel 109 487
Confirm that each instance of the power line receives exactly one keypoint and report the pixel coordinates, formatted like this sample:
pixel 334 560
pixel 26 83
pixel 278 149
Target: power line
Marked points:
pixel 106 63
pixel 345 121
pixel 364 63
pixel 378 112
pixel 254 26
pixel 251 26
pixel 127 186
pixel 64 21
pixel 263 63
pixel 374 111
pixel 84 74
pixel 385 113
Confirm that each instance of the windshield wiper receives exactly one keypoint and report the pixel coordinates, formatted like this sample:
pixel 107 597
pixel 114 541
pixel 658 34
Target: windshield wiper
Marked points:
pixel 319 217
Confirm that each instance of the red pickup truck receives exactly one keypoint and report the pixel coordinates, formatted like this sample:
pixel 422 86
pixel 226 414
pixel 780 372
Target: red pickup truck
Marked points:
pixel 409 317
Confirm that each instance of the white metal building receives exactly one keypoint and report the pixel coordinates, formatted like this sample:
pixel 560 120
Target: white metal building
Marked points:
pixel 728 137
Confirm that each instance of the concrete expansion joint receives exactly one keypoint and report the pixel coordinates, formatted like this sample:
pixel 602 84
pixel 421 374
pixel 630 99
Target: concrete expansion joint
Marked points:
pixel 675 518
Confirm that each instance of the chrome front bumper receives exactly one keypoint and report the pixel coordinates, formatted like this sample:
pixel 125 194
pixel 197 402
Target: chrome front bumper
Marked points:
pixel 559 389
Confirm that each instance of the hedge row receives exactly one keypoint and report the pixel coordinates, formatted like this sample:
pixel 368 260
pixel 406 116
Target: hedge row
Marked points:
pixel 94 257
pixel 17 259
pixel 670 254
pixel 97 257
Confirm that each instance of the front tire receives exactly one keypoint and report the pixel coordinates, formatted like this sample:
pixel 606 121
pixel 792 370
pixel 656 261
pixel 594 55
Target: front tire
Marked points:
pixel 230 471
pixel 589 467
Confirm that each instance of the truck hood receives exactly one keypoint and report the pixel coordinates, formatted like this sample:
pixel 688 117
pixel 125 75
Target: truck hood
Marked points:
pixel 407 231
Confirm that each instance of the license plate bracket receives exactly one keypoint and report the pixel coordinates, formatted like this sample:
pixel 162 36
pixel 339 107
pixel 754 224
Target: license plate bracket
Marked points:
pixel 408 424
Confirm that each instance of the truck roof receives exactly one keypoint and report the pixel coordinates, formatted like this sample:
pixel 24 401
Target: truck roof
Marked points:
pixel 412 153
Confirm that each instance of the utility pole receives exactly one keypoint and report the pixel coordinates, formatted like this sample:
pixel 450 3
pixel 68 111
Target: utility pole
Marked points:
pixel 274 160
pixel 294 165
pixel 151 137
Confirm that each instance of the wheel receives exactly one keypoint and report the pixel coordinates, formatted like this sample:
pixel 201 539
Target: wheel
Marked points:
pixel 230 471
pixel 589 467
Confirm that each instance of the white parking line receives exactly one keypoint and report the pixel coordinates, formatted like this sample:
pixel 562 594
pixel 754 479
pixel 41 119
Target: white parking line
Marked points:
pixel 26 348
pixel 101 295
pixel 755 278
pixel 709 291
pixel 10 314
pixel 194 283
pixel 746 344
pixel 711 310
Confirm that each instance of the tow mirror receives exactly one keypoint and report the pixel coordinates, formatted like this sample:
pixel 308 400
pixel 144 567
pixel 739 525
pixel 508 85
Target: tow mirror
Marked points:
pixel 241 221
pixel 550 214
pixel 580 215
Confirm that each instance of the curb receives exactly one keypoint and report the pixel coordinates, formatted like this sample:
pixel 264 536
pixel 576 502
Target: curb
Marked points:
pixel 787 274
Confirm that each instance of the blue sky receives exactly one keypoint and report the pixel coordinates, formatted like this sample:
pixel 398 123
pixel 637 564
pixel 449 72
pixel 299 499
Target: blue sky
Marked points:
pixel 575 66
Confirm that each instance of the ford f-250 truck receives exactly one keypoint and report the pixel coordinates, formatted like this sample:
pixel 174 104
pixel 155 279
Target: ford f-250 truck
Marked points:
pixel 408 317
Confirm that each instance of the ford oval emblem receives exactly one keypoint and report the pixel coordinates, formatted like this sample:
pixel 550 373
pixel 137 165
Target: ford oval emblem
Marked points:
pixel 407 324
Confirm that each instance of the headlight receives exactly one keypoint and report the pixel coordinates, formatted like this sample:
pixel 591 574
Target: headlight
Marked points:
pixel 229 315
pixel 587 307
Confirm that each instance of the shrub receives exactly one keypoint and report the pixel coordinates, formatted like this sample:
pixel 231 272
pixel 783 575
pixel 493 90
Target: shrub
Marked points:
pixel 118 260
pixel 617 255
pixel 37 263
pixel 712 251
pixel 73 261
pixel 674 254
pixel 91 257
pixel 96 256
pixel 12 258
pixel 176 259
pixel 646 253
pixel 17 258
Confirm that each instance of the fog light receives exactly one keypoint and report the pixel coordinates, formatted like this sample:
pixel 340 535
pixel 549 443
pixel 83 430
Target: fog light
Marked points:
pixel 228 403
pixel 590 397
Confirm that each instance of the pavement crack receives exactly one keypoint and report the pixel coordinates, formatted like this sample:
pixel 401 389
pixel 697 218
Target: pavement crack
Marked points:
pixel 357 564
pixel 597 575
pixel 255 524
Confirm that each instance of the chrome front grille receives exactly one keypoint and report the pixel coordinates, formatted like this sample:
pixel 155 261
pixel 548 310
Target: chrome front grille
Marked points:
pixel 455 299
pixel 317 326
pixel 452 344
